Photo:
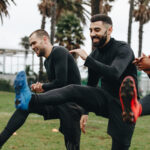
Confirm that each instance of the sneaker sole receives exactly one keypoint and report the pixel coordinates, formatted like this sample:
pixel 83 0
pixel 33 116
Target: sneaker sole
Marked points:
pixel 127 93
pixel 18 85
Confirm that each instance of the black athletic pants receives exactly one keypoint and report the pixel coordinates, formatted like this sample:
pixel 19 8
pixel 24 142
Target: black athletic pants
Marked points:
pixel 20 116
pixel 93 100
pixel 145 102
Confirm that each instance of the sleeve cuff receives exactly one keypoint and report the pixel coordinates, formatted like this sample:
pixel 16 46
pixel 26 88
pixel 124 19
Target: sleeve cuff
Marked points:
pixel 88 61
pixel 44 86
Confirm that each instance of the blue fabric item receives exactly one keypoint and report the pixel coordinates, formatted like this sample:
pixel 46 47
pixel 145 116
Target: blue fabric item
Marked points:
pixel 22 91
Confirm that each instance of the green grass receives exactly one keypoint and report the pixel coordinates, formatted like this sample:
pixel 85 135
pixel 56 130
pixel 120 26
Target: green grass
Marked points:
pixel 36 134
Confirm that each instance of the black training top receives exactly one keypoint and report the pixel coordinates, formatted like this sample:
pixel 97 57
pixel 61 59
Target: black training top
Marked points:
pixel 61 69
pixel 111 64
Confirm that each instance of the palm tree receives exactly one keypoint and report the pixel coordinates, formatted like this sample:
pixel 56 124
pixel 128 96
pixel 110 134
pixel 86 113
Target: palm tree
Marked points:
pixel 142 15
pixel 75 6
pixel 95 7
pixel 130 20
pixel 3 8
pixel 68 6
pixel 70 26
pixel 44 8
pixel 100 6
pixel 53 20
pixel 25 44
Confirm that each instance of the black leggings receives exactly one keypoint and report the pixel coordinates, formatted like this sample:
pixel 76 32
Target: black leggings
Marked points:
pixel 93 100
pixel 145 102
pixel 119 146
pixel 19 117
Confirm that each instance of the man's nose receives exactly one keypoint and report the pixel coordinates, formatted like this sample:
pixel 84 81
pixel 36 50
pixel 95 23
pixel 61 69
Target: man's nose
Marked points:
pixel 92 33
pixel 33 47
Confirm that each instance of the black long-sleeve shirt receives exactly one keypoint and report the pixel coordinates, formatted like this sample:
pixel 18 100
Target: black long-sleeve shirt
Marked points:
pixel 61 69
pixel 111 64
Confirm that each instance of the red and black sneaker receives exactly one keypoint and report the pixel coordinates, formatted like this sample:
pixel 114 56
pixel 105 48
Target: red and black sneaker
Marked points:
pixel 131 107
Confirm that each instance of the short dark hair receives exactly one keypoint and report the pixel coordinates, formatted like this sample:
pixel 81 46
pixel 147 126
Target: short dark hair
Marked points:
pixel 102 17
pixel 40 33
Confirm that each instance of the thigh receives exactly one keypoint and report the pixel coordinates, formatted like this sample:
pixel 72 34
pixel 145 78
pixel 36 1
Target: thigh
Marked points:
pixel 93 99
pixel 145 102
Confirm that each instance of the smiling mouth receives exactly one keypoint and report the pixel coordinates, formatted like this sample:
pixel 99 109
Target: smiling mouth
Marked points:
pixel 95 39
pixel 36 50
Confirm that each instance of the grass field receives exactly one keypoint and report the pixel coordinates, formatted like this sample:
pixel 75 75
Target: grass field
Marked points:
pixel 36 134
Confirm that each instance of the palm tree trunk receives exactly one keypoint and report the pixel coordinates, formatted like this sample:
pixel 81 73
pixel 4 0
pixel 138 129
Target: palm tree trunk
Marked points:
pixel 94 7
pixel 140 38
pixel 43 22
pixel 101 6
pixel 130 21
pixel 41 58
pixel 53 21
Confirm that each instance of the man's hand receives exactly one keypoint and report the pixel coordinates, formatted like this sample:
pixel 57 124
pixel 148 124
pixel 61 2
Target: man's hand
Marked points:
pixel 148 72
pixel 144 64
pixel 83 121
pixel 82 53
pixel 138 60
pixel 37 87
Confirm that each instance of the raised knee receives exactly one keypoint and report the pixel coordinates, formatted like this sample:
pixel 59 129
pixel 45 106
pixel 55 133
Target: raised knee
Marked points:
pixel 72 86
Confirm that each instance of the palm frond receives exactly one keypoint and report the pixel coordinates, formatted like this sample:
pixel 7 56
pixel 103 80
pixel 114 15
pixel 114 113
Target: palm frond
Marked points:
pixel 4 8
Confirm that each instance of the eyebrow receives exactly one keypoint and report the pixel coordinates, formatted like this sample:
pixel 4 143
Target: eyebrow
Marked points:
pixel 95 28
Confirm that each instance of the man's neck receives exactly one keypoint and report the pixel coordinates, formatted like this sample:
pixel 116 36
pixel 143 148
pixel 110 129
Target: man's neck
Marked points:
pixel 48 50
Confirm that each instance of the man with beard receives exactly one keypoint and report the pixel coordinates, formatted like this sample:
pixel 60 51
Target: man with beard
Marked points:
pixel 110 62
pixel 62 70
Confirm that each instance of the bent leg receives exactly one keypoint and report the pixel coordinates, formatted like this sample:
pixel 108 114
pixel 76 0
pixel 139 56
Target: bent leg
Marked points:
pixel 89 98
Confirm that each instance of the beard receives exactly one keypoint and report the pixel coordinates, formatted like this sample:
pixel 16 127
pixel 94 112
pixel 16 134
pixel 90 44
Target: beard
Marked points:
pixel 102 40
pixel 41 53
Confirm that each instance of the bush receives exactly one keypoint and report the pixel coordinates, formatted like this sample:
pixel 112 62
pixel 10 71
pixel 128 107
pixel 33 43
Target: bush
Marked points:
pixel 6 86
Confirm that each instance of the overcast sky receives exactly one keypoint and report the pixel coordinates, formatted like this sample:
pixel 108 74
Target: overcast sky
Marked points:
pixel 25 18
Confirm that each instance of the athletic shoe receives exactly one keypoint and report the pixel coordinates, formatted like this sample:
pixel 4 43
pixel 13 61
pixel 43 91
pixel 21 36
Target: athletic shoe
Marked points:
pixel 131 107
pixel 23 93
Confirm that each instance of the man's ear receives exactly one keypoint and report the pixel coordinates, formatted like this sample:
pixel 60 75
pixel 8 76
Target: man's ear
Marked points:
pixel 45 38
pixel 110 29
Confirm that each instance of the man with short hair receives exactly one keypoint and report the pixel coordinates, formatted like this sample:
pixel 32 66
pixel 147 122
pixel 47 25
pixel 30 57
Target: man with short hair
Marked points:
pixel 110 62
pixel 61 70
